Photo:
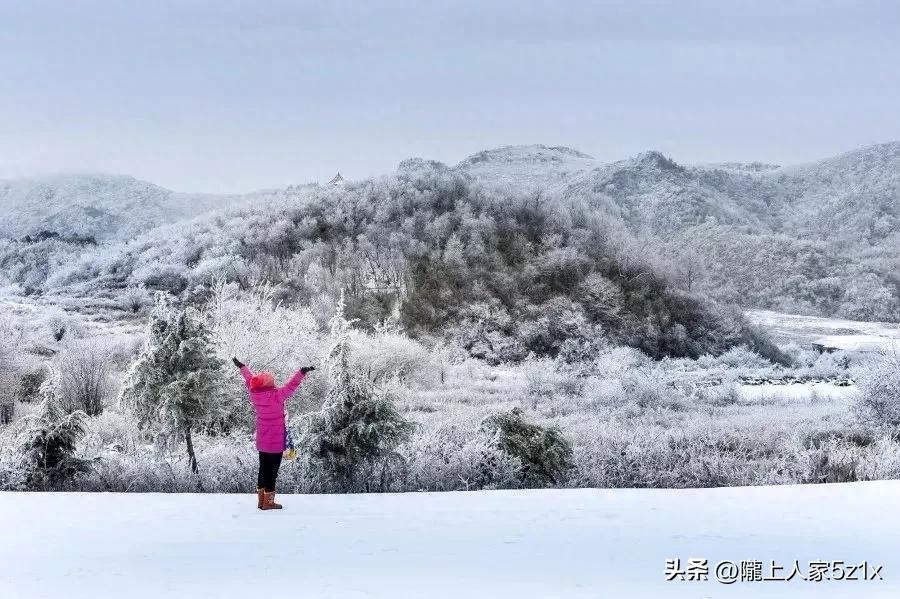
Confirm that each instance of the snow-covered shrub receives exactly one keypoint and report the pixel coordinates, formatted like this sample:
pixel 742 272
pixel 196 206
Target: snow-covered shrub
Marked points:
pixel 614 362
pixel 545 381
pixel 727 394
pixel 84 374
pixel 135 299
pixel 659 455
pixel 544 453
pixel 559 328
pixel 58 326
pixel 878 400
pixel 31 382
pixel 352 439
pixel 388 354
pixel 47 440
pixel 743 358
pixel 264 334
pixel 112 431
pixel 453 457
pixel 10 369
pixel 833 461
pixel 646 388
pixel 830 364
pixel 488 332
pixel 603 392
pixel 176 384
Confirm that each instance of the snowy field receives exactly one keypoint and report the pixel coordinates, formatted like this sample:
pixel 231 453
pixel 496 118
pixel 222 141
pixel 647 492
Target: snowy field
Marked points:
pixel 837 333
pixel 494 544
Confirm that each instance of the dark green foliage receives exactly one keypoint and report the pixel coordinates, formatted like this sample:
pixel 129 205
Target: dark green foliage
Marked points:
pixel 545 454
pixel 31 383
pixel 7 411
pixel 167 282
pixel 355 433
pixel 47 441
pixel 757 340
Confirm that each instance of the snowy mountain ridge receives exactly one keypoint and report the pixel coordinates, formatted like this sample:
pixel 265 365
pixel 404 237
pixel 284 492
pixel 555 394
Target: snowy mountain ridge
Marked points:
pixel 99 206
pixel 821 238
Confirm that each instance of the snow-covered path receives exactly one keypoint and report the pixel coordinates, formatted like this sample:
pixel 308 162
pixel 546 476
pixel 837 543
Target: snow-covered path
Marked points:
pixel 563 543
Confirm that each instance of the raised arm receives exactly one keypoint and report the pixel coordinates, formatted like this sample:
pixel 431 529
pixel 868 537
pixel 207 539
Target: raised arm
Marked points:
pixel 245 372
pixel 294 382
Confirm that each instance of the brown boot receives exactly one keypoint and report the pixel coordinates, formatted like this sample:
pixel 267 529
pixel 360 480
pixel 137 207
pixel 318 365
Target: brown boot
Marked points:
pixel 270 502
pixel 261 498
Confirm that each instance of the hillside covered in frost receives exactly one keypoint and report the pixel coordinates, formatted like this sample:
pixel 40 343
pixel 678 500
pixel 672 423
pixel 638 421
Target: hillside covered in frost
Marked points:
pixel 518 250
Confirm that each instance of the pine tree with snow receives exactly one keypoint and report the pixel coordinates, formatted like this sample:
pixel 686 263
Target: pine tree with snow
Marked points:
pixel 47 439
pixel 358 427
pixel 544 453
pixel 176 384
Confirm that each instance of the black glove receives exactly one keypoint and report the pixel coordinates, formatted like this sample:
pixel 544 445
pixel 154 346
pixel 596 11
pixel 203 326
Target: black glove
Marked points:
pixel 237 362
pixel 307 369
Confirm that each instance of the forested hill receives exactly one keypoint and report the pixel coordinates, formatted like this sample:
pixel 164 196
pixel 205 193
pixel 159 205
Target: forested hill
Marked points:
pixel 820 238
pixel 515 250
pixel 501 274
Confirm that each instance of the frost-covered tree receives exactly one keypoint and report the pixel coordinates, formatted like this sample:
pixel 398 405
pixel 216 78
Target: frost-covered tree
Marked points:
pixel 47 439
pixel 544 453
pixel 176 382
pixel 879 391
pixel 84 377
pixel 10 346
pixel 358 427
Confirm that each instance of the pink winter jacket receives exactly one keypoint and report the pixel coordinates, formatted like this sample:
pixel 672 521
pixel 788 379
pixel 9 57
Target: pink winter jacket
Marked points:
pixel 269 405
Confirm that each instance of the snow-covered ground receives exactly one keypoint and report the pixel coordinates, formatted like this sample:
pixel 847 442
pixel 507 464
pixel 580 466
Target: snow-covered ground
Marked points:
pixel 560 543
pixel 803 391
pixel 851 335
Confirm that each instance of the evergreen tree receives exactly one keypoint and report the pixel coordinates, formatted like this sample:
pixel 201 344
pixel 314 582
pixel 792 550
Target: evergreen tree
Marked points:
pixel 358 427
pixel 545 454
pixel 176 383
pixel 47 439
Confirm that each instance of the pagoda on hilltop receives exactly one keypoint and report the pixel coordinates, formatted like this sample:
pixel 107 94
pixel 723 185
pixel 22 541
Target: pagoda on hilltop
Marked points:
pixel 337 180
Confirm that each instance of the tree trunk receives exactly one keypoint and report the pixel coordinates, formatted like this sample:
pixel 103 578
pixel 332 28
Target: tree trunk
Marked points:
pixel 192 457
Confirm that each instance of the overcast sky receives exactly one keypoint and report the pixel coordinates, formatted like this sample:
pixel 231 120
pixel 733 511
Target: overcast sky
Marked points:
pixel 228 96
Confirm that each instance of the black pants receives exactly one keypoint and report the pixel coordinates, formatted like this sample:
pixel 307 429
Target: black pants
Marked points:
pixel 268 470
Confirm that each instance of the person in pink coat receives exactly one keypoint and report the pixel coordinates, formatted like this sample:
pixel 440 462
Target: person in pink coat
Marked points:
pixel 268 402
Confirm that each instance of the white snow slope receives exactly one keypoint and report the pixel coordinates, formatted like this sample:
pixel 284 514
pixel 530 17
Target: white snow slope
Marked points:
pixel 560 543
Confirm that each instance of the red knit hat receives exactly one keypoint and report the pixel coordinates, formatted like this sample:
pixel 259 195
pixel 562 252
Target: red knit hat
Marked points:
pixel 262 380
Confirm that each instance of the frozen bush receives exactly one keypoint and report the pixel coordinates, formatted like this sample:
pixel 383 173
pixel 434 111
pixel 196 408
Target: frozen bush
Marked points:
pixel 84 375
pixel 11 365
pixel 112 431
pixel 30 383
pixel 545 381
pixel 648 389
pixel 544 453
pixel 452 457
pixel 833 461
pixel 727 394
pixel 388 354
pixel 12 473
pixel 603 392
pixel 830 364
pixel 262 333
pixel 878 400
pixel 614 362
pixel 742 357
pixel 135 299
